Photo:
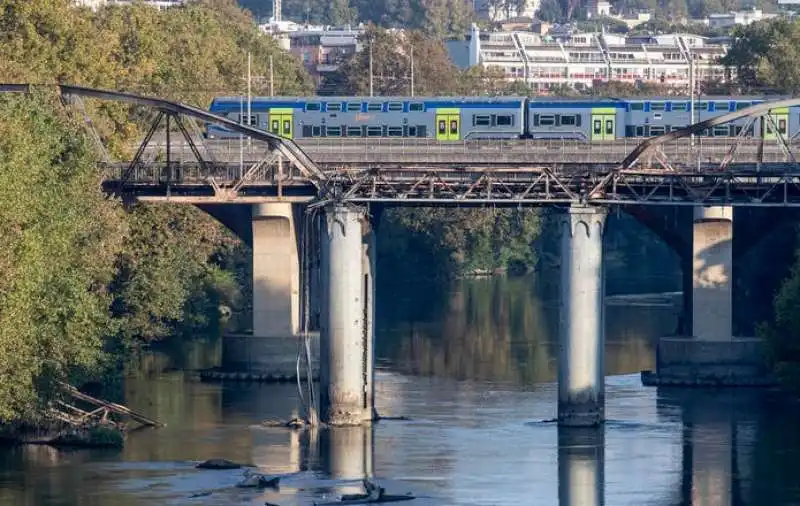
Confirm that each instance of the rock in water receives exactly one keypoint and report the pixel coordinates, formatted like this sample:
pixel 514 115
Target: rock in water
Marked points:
pixel 258 480
pixel 218 464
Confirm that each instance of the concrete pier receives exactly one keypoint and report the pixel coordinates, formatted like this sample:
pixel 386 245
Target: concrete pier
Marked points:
pixel 581 464
pixel 581 383
pixel 271 349
pixel 710 355
pixel 347 455
pixel 346 386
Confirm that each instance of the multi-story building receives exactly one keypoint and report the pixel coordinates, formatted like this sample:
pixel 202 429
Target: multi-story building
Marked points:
pixel 501 10
pixel 322 50
pixel 581 59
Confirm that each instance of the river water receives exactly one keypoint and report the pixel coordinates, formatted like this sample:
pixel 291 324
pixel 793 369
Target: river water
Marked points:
pixel 474 371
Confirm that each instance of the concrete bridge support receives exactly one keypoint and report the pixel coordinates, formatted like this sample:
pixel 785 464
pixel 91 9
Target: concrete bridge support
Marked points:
pixel 711 355
pixel 346 337
pixel 581 383
pixel 272 347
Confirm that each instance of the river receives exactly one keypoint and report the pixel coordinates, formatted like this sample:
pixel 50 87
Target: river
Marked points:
pixel 474 371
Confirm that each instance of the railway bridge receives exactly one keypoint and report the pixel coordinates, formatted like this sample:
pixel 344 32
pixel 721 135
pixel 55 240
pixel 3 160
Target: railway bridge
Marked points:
pixel 290 199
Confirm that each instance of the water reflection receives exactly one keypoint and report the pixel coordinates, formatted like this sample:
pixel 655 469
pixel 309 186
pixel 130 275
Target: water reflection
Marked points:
pixel 504 329
pixel 581 466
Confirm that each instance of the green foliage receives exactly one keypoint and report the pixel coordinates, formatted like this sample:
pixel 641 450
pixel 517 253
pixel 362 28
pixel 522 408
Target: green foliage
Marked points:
pixel 60 240
pixel 441 243
pixel 765 55
pixel 440 18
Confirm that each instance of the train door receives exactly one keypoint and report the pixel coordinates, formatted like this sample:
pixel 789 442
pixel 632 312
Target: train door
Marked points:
pixel 780 118
pixel 448 124
pixel 281 121
pixel 604 124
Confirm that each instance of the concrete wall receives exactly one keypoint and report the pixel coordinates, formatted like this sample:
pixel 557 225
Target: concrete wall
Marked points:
pixel 276 271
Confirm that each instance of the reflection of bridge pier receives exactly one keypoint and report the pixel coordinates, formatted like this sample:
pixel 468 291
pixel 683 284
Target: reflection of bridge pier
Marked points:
pixel 347 454
pixel 716 459
pixel 581 466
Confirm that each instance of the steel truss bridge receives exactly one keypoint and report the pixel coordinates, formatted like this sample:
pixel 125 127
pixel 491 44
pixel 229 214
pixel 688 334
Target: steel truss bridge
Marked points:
pixel 174 162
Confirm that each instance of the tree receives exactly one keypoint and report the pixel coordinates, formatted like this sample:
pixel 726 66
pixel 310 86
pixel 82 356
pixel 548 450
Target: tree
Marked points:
pixel 765 54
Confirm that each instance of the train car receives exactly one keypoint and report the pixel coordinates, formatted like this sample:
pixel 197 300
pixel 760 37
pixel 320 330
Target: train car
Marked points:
pixel 649 117
pixel 589 119
pixel 586 119
pixel 440 118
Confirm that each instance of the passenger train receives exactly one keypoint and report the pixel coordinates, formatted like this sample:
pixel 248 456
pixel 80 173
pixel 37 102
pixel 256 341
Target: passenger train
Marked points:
pixel 472 118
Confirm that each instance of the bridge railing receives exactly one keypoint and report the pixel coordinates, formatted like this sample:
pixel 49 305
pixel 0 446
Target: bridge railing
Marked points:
pixel 403 151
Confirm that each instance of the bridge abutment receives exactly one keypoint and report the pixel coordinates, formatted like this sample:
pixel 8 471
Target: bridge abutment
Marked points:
pixel 710 354
pixel 581 383
pixel 347 333
pixel 272 347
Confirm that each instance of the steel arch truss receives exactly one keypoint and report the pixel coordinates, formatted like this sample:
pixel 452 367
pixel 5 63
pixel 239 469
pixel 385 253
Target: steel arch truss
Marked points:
pixel 175 115
pixel 651 154
pixel 548 185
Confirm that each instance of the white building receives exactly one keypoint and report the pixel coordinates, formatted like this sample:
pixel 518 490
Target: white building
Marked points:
pixel 737 18
pixel 580 59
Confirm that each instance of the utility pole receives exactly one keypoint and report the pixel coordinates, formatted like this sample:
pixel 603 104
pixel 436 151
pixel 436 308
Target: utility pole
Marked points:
pixel 412 71
pixel 249 89
pixel 691 93
pixel 271 79
pixel 371 89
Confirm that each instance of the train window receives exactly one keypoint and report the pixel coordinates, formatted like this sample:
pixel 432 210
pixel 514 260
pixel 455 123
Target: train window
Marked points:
pixel 412 131
pixel 454 127
pixel 782 126
pixel 334 131
pixel 287 127
pixel 374 131
pixel 395 131
pixel 307 131
pixel 657 130
pixel 721 106
pixel 374 107
pixel 640 131
pixel 679 107
pixel 275 126
pixel 481 120
pixel 416 107
pixel 355 131
pixel 657 115
pixel 313 106
pixel 547 119
pixel 506 120
pixel 253 119
pixel 609 126
pixel 597 127
pixel 395 106
pixel 334 106
pixel 316 131
pixel 721 131
pixel 742 105
pixel 656 106
pixel 442 127
pixel 569 120
pixel 637 106
pixel 701 106
pixel 354 107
